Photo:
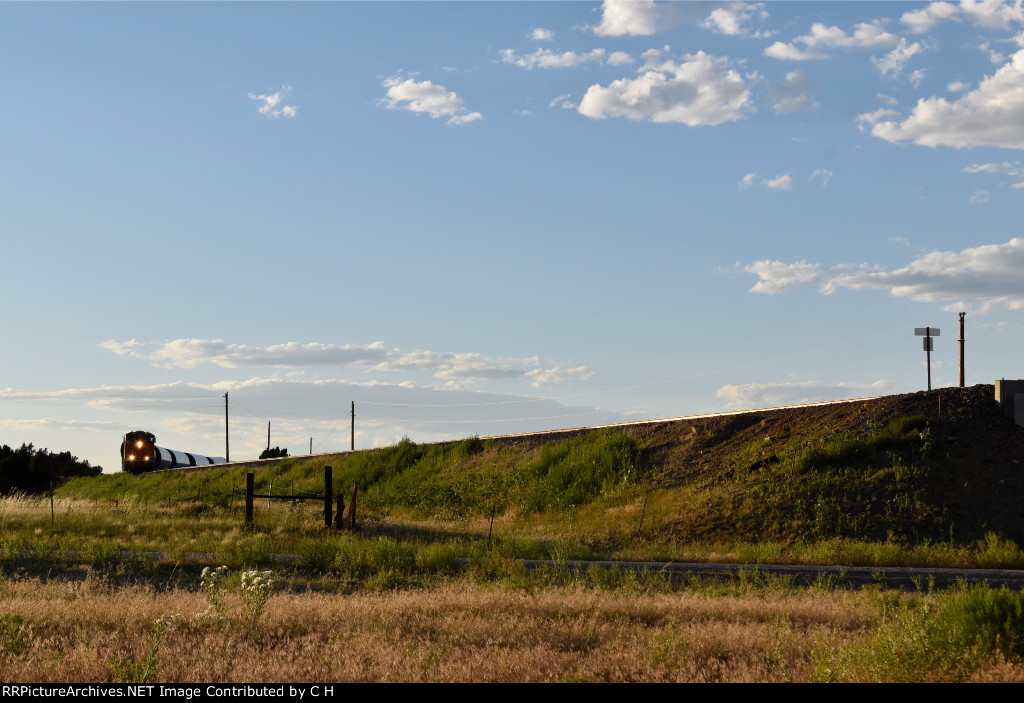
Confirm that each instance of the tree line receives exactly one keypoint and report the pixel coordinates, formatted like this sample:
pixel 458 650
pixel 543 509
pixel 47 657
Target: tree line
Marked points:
pixel 30 470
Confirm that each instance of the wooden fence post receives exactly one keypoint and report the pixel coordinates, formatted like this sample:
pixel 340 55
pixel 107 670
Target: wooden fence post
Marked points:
pixel 327 497
pixel 339 515
pixel 350 521
pixel 250 484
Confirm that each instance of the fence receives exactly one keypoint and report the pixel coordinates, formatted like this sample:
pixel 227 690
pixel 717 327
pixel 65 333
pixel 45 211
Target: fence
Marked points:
pixel 335 520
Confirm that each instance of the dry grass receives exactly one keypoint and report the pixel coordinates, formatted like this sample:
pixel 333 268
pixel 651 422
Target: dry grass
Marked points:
pixel 63 631
pixel 88 630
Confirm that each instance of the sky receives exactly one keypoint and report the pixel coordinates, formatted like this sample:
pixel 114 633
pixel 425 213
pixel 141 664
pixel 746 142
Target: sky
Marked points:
pixel 481 218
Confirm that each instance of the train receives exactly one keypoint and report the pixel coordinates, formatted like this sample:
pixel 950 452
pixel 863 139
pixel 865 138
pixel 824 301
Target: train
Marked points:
pixel 140 454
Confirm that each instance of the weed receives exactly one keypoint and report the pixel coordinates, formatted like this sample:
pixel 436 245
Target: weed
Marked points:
pixel 129 670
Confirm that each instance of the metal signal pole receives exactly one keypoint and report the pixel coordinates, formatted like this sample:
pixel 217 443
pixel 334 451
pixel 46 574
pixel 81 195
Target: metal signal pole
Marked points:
pixel 227 447
pixel 962 349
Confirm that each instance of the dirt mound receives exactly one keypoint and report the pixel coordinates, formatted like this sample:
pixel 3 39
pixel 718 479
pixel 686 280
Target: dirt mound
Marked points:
pixel 962 472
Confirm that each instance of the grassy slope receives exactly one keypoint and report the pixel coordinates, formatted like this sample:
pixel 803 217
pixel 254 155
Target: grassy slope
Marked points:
pixel 893 468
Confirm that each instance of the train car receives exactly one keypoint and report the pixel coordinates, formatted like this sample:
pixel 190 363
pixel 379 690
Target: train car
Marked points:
pixel 140 454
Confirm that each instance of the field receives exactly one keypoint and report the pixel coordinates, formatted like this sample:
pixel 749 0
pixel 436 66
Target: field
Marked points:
pixel 156 578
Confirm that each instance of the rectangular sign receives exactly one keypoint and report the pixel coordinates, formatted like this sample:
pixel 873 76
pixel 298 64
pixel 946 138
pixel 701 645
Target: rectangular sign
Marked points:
pixel 926 331
pixel 928 343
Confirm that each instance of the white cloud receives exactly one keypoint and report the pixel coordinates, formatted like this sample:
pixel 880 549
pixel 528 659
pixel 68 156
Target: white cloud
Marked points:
pixel 788 52
pixel 777 277
pixel 824 174
pixel 698 91
pixel 763 395
pixel 619 58
pixel 872 118
pixel 886 99
pixel 866 35
pixel 894 61
pixel 991 115
pixel 545 58
pixel 782 182
pixel 627 18
pixel 919 21
pixel 424 96
pixel 547 377
pixel 978 197
pixel 1009 168
pixel 563 101
pixel 541 34
pixel 994 14
pixel 270 103
pixel 734 18
pixel 191 353
pixel 916 77
pixel 793 94
pixel 989 275
pixel 957 87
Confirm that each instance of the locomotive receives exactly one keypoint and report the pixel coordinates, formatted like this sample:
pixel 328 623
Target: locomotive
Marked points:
pixel 139 454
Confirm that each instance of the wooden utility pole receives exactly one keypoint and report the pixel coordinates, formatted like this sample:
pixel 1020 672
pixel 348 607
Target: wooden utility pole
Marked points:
pixel 962 349
pixel 227 447
pixel 310 445
pixel 353 444
pixel 268 435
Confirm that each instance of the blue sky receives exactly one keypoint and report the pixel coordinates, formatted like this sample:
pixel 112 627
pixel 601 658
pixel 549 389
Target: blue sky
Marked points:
pixel 483 217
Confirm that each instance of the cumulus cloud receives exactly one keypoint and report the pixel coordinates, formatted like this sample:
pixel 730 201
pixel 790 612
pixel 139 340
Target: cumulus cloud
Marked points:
pixel 868 119
pixel 866 35
pixel 919 21
pixel 699 90
pixel 425 96
pixel 989 275
pixel 793 94
pixel 735 18
pixel 777 277
pixel 269 106
pixel 788 52
pixel 619 58
pixel 978 197
pixel 990 115
pixel 545 58
pixel 628 18
pixel 541 34
pixel 762 395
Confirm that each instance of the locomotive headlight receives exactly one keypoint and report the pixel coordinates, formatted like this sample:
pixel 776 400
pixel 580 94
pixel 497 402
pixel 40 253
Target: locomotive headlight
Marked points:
pixel 131 457
pixel 139 445
pixel 146 458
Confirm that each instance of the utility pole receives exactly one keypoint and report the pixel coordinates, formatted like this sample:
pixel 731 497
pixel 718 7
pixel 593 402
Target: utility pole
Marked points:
pixel 353 441
pixel 227 447
pixel 268 435
pixel 962 349
pixel 310 445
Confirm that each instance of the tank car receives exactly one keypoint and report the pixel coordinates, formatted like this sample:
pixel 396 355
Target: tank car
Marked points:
pixel 139 454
